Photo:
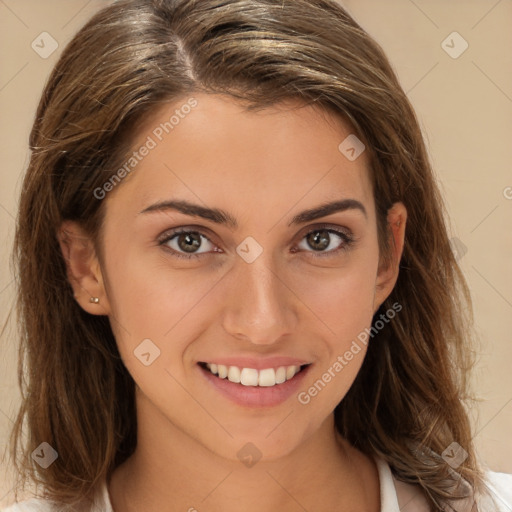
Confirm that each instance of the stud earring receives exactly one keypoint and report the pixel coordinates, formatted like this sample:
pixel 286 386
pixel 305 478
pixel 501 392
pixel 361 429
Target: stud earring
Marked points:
pixel 94 300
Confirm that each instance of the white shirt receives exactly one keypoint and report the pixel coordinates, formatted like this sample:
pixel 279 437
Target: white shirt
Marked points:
pixel 395 496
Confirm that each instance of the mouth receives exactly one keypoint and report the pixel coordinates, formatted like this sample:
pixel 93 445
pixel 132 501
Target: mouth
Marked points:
pixel 254 387
pixel 266 377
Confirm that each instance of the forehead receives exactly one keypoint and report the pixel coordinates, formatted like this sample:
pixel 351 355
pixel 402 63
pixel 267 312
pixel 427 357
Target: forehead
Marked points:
pixel 209 147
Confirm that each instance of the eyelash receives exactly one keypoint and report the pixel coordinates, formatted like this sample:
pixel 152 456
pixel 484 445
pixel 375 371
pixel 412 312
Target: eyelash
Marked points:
pixel 348 241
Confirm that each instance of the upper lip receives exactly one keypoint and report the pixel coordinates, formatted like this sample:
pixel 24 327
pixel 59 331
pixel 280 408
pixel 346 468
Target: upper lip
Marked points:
pixel 258 363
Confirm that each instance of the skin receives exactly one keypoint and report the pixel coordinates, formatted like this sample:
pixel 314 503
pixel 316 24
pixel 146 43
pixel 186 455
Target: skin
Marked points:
pixel 263 168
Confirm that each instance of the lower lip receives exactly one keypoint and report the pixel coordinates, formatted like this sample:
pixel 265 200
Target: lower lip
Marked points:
pixel 256 396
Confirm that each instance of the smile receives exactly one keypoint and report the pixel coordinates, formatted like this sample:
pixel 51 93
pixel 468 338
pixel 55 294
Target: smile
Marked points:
pixel 266 377
pixel 271 384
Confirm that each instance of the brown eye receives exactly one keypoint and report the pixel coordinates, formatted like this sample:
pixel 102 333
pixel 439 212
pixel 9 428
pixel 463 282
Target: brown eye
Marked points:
pixel 325 241
pixel 185 243
pixel 319 240
pixel 189 242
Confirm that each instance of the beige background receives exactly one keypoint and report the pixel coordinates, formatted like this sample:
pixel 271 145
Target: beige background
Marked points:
pixel 465 108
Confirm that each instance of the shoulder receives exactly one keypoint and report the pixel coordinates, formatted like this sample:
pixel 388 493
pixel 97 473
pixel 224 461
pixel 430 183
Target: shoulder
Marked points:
pixel 398 496
pixel 500 491
pixel 33 505
pixel 499 498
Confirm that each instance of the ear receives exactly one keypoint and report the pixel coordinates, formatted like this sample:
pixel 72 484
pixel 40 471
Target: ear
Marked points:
pixel 387 273
pixel 83 268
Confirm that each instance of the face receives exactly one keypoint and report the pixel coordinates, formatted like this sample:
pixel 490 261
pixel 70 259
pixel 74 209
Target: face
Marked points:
pixel 222 262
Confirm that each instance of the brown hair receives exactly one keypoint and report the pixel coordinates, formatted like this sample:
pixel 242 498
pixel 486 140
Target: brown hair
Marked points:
pixel 406 402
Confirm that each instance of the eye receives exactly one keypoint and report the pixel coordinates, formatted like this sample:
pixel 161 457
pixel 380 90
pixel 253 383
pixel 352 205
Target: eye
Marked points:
pixel 185 243
pixel 326 241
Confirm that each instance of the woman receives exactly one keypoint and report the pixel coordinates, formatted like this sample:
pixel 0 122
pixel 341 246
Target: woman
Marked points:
pixel 235 282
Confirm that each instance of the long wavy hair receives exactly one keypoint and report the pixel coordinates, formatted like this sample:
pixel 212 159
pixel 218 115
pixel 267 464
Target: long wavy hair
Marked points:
pixel 407 404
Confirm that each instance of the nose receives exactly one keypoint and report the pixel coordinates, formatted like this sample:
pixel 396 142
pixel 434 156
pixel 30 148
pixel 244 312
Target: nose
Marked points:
pixel 260 306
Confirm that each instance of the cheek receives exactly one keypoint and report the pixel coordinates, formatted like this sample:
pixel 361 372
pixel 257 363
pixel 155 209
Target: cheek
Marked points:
pixel 342 298
pixel 145 295
pixel 343 303
pixel 150 301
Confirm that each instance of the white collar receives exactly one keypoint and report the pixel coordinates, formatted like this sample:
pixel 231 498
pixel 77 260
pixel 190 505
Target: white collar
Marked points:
pixel 397 496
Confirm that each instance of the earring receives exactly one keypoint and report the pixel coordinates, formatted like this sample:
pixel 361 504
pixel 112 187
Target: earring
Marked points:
pixel 94 300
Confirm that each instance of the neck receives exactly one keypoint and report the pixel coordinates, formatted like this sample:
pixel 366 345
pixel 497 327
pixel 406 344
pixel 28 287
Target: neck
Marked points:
pixel 171 471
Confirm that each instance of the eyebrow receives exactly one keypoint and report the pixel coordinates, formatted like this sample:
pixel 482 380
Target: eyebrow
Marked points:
pixel 222 217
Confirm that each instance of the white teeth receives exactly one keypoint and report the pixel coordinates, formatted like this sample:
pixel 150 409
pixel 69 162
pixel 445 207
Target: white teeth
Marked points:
pixel 249 377
pixel 234 374
pixel 291 371
pixel 280 375
pixel 266 377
